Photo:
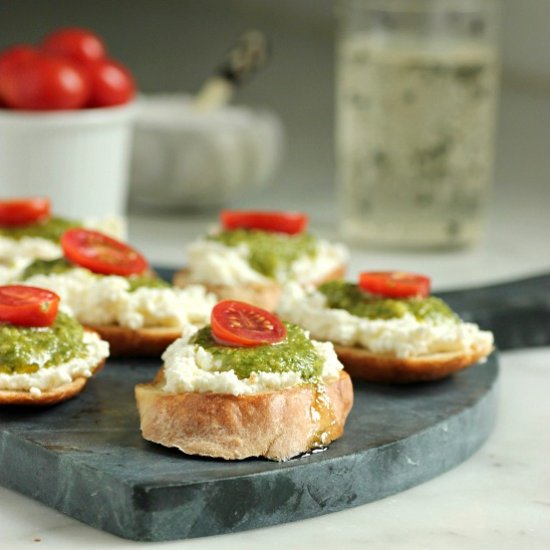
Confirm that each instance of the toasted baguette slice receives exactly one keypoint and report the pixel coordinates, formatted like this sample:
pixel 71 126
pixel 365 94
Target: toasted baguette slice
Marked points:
pixel 276 424
pixel 50 397
pixel 362 363
pixel 143 342
pixel 264 295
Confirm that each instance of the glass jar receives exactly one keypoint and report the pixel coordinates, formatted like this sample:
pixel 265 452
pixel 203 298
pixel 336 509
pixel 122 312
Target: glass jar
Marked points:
pixel 417 85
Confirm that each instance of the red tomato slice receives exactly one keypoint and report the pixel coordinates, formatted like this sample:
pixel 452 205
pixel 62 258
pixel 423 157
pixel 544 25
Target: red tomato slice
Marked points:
pixel 24 211
pixel 278 222
pixel 240 324
pixel 80 45
pixel 395 284
pixel 101 254
pixel 28 306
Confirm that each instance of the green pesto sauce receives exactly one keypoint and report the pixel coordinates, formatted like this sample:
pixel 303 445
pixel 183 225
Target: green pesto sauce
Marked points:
pixel 46 267
pixel 348 296
pixel 20 346
pixel 295 353
pixel 149 281
pixel 270 253
pixel 50 230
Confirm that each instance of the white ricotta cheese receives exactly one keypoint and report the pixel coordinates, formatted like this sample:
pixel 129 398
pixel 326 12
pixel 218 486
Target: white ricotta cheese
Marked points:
pixel 329 257
pixel 215 263
pixel 28 247
pixel 11 268
pixel 52 377
pixel 191 368
pixel 115 226
pixel 402 337
pixel 106 300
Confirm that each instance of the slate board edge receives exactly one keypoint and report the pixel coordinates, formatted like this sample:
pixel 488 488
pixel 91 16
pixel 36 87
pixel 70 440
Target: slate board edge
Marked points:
pixel 313 495
pixel 300 492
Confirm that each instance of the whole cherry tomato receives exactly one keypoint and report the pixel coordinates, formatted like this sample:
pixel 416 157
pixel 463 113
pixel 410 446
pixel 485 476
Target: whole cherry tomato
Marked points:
pixel 69 70
pixel 16 55
pixel 79 45
pixel 110 83
pixel 43 82
pixel 10 59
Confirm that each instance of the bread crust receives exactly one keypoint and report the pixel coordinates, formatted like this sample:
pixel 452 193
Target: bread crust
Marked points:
pixel 143 342
pixel 276 424
pixel 50 397
pixel 264 295
pixel 362 363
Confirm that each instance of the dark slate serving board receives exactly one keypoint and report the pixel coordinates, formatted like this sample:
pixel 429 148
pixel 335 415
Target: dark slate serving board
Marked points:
pixel 86 457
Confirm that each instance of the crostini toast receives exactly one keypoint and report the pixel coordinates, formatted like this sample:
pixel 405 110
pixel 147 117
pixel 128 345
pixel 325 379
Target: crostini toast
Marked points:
pixel 275 424
pixel 48 397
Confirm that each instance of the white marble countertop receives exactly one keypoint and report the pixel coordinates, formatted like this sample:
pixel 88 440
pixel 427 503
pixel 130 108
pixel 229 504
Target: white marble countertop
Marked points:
pixel 500 497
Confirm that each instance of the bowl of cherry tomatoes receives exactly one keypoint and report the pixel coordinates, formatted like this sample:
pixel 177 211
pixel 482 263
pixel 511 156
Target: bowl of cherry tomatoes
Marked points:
pixel 66 114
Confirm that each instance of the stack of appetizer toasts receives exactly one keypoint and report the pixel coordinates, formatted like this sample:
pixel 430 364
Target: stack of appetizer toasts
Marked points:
pixel 237 380
pixel 110 288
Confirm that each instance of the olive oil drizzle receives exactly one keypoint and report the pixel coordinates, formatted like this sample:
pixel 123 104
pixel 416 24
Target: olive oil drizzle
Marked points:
pixel 323 416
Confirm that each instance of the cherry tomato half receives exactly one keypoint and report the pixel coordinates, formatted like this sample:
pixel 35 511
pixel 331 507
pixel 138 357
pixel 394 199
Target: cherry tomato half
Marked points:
pixel 42 82
pixel 110 84
pixel 28 306
pixel 24 211
pixel 240 324
pixel 79 45
pixel 278 222
pixel 101 254
pixel 395 284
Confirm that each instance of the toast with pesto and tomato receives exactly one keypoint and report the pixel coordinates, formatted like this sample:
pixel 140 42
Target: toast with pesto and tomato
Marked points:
pixel 29 231
pixel 45 355
pixel 387 327
pixel 254 253
pixel 247 385
pixel 110 288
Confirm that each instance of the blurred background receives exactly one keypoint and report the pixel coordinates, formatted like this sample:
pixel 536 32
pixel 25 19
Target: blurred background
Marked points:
pixel 173 46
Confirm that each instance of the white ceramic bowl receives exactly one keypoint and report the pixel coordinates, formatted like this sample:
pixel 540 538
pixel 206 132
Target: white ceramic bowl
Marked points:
pixel 184 157
pixel 79 159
